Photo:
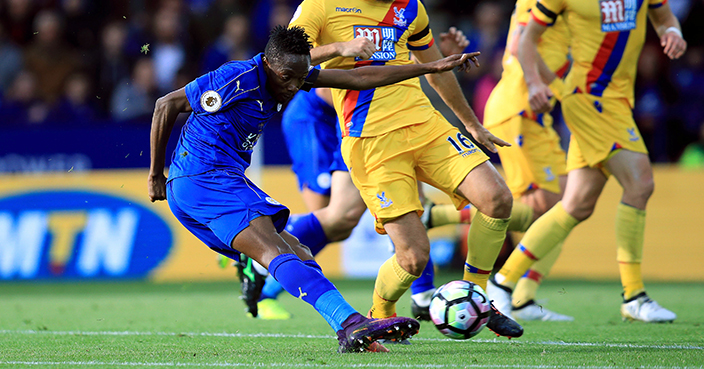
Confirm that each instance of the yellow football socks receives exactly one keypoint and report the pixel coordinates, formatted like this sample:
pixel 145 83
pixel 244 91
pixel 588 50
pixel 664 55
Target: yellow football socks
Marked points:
pixel 391 283
pixel 521 217
pixel 630 229
pixel 484 241
pixel 527 286
pixel 546 233
pixel 444 214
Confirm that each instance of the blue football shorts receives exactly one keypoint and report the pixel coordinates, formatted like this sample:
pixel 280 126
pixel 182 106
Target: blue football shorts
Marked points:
pixel 313 141
pixel 216 206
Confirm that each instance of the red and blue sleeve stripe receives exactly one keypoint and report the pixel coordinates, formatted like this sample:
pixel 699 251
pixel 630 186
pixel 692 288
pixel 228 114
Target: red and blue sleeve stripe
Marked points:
pixel 424 47
pixel 655 6
pixel 547 12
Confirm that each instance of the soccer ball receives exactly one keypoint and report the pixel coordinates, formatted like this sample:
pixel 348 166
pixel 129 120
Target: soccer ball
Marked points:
pixel 460 309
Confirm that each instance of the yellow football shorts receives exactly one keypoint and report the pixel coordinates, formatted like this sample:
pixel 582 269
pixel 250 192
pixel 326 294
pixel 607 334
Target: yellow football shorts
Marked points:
pixel 600 127
pixel 386 168
pixel 535 159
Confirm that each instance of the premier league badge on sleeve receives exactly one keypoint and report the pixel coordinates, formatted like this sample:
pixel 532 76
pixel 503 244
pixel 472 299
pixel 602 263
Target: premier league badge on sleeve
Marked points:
pixel 210 101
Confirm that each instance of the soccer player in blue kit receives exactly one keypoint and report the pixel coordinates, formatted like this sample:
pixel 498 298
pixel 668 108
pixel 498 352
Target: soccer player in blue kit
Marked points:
pixel 210 195
pixel 313 137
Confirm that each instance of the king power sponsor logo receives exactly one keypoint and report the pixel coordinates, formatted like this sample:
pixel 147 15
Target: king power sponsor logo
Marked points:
pixel 75 235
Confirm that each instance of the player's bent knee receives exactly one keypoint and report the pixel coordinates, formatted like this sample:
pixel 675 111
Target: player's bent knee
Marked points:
pixel 500 204
pixel 582 212
pixel 413 262
pixel 645 188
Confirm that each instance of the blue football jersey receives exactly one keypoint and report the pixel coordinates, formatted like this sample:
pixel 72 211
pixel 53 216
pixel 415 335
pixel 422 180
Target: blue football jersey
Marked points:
pixel 231 106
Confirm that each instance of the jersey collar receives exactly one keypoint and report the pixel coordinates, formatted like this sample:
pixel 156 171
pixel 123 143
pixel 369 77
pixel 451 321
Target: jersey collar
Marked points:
pixel 261 74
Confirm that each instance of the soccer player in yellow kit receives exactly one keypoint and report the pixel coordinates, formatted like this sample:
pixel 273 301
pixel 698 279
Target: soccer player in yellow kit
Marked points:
pixel 534 167
pixel 606 39
pixel 392 137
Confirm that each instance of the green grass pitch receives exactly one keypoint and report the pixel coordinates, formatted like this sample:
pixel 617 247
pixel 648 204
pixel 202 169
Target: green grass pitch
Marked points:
pixel 202 325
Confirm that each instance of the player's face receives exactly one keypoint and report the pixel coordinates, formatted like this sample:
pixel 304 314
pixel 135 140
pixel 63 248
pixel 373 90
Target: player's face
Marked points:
pixel 287 76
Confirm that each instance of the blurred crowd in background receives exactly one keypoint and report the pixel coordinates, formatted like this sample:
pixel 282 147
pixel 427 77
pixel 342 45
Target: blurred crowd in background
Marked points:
pixel 101 62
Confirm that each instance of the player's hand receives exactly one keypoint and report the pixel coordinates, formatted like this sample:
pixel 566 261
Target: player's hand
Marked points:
pixel 462 61
pixel 157 187
pixel 360 47
pixel 484 137
pixel 453 42
pixel 539 96
pixel 673 45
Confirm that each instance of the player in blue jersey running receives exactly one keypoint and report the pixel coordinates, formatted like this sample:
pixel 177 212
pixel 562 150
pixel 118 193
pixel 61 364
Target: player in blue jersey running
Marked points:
pixel 312 134
pixel 210 195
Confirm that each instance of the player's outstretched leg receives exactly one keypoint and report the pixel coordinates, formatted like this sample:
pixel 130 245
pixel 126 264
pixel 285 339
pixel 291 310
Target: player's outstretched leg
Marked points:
pixel 261 299
pixel 305 280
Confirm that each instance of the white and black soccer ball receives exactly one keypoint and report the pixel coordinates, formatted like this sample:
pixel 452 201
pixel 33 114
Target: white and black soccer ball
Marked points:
pixel 460 309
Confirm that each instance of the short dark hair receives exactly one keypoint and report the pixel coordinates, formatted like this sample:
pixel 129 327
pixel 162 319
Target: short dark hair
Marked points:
pixel 286 41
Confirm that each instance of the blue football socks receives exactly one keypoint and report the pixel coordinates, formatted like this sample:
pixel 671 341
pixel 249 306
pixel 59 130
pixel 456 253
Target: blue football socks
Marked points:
pixel 308 230
pixel 425 281
pixel 306 281
pixel 272 288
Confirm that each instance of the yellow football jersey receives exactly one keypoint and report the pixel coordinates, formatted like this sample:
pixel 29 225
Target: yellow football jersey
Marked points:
pixel 396 28
pixel 607 37
pixel 510 96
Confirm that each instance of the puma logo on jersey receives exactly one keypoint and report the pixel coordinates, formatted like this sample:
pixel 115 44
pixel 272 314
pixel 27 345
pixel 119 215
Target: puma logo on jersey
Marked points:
pixel 261 104
pixel 301 293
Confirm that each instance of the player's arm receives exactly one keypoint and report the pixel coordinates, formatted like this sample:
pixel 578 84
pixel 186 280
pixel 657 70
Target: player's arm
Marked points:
pixel 311 15
pixel 668 28
pixel 530 59
pixel 365 78
pixel 547 75
pixel 359 47
pixel 449 90
pixel 453 41
pixel 166 110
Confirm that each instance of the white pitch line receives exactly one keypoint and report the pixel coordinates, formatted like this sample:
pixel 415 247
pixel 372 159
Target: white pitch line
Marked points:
pixel 281 335
pixel 310 365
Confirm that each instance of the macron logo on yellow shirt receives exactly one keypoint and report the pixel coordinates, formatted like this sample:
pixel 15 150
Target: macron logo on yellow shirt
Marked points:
pixel 348 10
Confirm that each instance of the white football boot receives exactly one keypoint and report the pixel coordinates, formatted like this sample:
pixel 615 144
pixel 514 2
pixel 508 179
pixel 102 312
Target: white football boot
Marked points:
pixel 642 308
pixel 532 311
pixel 500 296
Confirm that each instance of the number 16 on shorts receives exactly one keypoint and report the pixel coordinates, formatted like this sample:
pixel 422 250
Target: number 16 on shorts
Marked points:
pixel 462 144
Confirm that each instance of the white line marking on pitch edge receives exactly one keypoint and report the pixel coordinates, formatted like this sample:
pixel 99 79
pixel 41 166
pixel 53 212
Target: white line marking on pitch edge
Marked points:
pixel 279 335
pixel 305 365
